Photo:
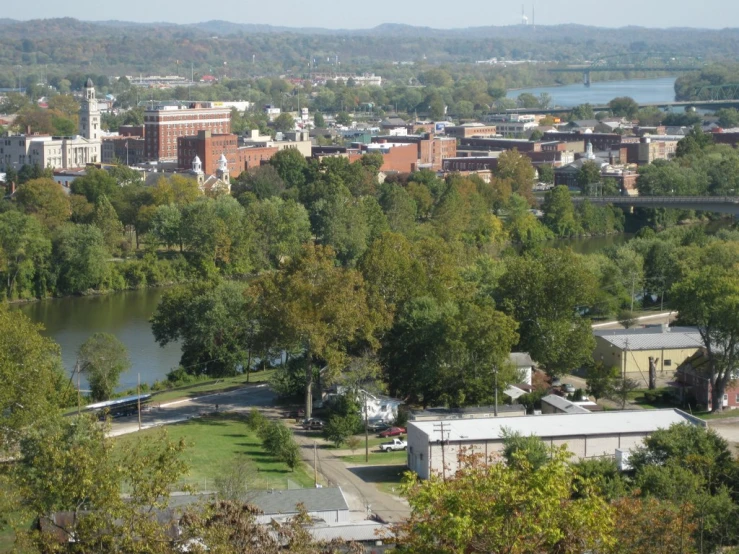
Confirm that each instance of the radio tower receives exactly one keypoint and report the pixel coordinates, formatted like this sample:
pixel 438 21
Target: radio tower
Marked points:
pixel 524 19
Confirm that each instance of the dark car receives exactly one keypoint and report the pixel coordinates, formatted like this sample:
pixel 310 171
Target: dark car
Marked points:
pixel 312 424
pixel 392 432
pixel 377 427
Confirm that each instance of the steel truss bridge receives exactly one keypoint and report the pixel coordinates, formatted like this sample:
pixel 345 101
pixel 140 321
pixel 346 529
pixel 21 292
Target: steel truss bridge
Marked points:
pixel 662 62
pixel 717 204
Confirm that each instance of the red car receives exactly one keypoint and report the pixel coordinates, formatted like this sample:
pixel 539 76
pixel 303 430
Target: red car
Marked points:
pixel 392 432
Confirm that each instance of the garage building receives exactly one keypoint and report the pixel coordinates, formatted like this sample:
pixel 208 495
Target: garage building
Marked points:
pixel 591 435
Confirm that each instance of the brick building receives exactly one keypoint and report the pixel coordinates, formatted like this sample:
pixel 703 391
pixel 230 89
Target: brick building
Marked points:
pixel 432 150
pixel 600 141
pixel 648 149
pixel 397 157
pixel 124 149
pixel 470 130
pixel 209 148
pixel 165 124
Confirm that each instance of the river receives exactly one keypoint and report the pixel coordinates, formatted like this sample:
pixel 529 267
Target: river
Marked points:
pixel 601 92
pixel 70 321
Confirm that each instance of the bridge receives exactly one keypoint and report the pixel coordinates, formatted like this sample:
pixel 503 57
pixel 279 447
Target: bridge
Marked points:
pixel 706 104
pixel 717 204
pixel 651 62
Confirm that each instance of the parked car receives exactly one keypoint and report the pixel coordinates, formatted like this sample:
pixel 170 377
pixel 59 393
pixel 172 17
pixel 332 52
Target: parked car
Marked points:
pixel 295 414
pixel 568 388
pixel 376 427
pixel 395 444
pixel 392 432
pixel 312 424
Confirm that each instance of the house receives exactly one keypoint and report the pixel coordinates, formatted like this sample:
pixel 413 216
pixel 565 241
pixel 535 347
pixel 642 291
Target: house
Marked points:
pixel 435 446
pixel 631 350
pixel 380 409
pixel 325 504
pixel 373 536
pixel 692 384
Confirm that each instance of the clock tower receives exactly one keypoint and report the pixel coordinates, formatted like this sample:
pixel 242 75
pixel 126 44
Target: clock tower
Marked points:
pixel 90 114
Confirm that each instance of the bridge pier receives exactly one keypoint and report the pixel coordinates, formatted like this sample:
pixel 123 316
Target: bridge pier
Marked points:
pixel 586 78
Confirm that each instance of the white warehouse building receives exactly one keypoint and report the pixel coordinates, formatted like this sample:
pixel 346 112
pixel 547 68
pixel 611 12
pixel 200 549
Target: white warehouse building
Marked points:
pixel 591 435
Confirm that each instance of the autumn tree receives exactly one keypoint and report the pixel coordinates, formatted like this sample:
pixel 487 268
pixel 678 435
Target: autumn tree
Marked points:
pixel 517 167
pixel 316 308
pixel 44 199
pixel 70 465
pixel 497 507
pixel 24 251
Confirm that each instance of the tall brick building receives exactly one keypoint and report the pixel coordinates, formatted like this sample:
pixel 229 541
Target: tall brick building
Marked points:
pixel 209 148
pixel 165 124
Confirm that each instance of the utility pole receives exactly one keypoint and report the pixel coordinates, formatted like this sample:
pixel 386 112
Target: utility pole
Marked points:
pixel 79 394
pixel 633 284
pixel 138 397
pixel 315 464
pixel 495 384
pixel 442 426
pixel 366 430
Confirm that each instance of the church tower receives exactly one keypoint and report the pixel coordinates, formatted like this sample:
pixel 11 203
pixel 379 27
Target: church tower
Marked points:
pixel 222 171
pixel 90 114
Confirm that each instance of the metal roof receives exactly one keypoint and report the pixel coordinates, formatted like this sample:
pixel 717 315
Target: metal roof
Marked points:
pixel 564 404
pixel 357 531
pixel 521 359
pixel 553 425
pixel 652 338
pixel 285 501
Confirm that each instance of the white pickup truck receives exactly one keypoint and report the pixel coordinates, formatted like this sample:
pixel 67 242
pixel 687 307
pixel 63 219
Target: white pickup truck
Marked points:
pixel 395 444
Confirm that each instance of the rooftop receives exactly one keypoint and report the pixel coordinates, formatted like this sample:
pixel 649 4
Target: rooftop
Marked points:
pixel 357 531
pixel 285 501
pixel 652 338
pixel 556 425
pixel 564 404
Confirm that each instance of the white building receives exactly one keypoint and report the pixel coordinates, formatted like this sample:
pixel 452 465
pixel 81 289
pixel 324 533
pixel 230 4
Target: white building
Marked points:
pixel 591 435
pixel 58 152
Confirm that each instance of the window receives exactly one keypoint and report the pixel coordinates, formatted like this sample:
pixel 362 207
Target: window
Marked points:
pixel 668 362
pixel 420 456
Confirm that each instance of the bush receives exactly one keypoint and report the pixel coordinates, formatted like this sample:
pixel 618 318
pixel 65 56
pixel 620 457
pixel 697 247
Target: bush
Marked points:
pixel 280 443
pixel 256 420
pixel 339 428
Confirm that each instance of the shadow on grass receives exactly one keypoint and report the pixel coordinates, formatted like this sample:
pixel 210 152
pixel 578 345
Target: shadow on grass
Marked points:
pixel 380 473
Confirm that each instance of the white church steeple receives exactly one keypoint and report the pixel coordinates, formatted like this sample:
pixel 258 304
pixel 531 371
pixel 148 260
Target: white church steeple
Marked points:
pixel 90 114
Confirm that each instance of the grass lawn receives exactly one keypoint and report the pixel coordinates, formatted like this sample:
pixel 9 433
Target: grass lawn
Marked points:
pixel 220 442
pixel 378 458
pixel 718 415
pixel 387 478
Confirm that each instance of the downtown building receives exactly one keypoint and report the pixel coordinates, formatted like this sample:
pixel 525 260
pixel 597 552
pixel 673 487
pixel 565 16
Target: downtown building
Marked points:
pixel 165 124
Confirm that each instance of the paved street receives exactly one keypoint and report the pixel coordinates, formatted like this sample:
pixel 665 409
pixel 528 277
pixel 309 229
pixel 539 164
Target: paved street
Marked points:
pixel 357 482
pixel 654 319
pixel 239 400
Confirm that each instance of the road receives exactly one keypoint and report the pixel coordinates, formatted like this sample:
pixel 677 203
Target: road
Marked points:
pixel 356 481
pixel 238 400
pixel 653 319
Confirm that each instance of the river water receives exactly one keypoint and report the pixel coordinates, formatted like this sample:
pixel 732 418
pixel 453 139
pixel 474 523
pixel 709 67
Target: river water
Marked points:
pixel 70 321
pixel 600 93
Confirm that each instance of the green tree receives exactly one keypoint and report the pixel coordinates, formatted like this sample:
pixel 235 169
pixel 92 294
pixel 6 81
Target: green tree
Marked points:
pixel 536 135
pixel 291 167
pixel 728 117
pixel 473 512
pixel 317 308
pixel 281 227
pixel 318 120
pixel 544 293
pixel 582 111
pixel 343 118
pixel 546 174
pixel 399 208
pixel 624 106
pixel 96 183
pixel 709 299
pixel 27 396
pixel 105 218
pixel 214 324
pixel 102 358
pixel 45 200
pixel 601 380
pixel 24 254
pixel 559 213
pixel 79 256
pixel 284 123
pixel 177 189
pixel 587 176
pixel 620 393
pixel 529 451
pixel 263 181
pixel 166 226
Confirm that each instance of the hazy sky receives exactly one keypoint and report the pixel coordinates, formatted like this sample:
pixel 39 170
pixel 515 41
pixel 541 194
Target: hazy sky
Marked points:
pixel 432 13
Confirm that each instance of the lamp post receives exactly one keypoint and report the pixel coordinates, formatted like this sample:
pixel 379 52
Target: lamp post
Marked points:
pixel 495 379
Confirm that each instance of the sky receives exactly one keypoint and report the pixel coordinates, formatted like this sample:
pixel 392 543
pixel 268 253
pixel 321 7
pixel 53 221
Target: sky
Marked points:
pixel 344 14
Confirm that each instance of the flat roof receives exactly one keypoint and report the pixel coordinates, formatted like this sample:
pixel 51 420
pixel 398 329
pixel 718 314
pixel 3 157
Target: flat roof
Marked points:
pixel 314 500
pixel 564 404
pixel 554 425
pixel 652 338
